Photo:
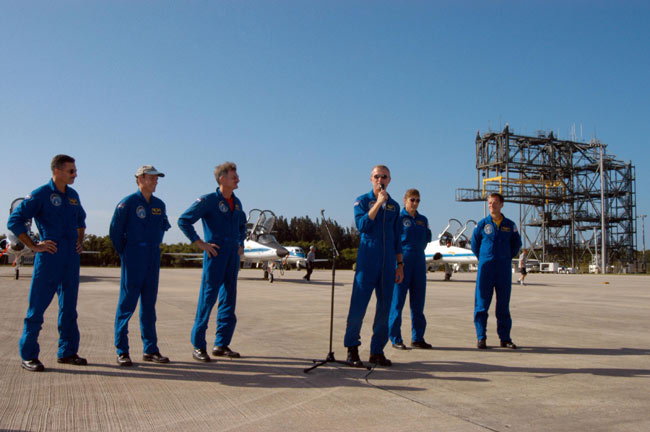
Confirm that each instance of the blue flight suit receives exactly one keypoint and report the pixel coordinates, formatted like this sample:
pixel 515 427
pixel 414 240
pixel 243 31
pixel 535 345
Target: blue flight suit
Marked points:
pixel 415 237
pixel 58 217
pixel 375 271
pixel 495 246
pixel 137 229
pixel 227 229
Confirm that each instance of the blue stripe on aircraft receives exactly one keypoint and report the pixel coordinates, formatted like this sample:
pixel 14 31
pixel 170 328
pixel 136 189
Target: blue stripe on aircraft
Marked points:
pixel 451 256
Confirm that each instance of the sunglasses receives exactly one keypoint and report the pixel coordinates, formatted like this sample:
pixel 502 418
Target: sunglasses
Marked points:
pixel 414 200
pixel 380 176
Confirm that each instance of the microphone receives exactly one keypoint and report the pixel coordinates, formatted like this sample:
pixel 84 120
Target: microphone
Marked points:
pixel 382 188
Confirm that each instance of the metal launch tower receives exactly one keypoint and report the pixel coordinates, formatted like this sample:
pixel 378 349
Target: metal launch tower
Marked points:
pixel 577 203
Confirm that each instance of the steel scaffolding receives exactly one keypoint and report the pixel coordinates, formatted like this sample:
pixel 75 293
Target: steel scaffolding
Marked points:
pixel 561 196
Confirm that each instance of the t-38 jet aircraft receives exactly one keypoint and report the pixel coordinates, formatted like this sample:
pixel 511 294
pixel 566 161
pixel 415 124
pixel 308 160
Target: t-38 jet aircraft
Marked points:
pixel 298 257
pixel 12 245
pixel 451 250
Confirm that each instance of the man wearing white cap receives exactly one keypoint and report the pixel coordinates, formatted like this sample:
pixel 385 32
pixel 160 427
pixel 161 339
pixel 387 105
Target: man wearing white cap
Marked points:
pixel 137 229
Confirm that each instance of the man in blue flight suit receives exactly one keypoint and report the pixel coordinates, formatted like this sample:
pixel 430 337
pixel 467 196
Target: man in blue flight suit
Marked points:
pixel 224 230
pixel 61 224
pixel 495 242
pixel 137 229
pixel 415 237
pixel 379 266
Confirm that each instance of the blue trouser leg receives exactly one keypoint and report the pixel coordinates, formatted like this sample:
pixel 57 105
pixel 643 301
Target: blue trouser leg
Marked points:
pixel 211 281
pixel 41 293
pixel 226 318
pixel 396 307
pixel 503 289
pixel 417 295
pixel 68 293
pixel 483 298
pixel 361 293
pixel 207 299
pixel 383 292
pixel 129 294
pixel 148 297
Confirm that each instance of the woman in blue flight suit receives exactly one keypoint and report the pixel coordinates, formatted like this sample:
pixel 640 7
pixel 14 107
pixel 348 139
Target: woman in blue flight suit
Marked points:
pixel 495 242
pixel 415 237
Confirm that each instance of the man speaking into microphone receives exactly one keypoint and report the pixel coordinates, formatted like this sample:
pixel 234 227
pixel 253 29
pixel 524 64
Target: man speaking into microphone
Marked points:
pixel 379 266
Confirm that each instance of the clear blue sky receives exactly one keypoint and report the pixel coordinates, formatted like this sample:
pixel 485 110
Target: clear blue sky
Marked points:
pixel 306 96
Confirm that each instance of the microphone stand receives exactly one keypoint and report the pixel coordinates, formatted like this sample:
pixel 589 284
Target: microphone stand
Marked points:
pixel 330 356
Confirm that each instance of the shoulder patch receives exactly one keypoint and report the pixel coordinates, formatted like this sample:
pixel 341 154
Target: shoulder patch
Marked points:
pixel 356 203
pixel 121 205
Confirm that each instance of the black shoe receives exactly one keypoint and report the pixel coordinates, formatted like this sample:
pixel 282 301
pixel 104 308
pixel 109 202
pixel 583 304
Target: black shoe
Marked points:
pixel 508 344
pixel 155 357
pixel 201 355
pixel 353 357
pixel 421 345
pixel 399 345
pixel 224 352
pixel 33 365
pixel 380 360
pixel 73 359
pixel 124 360
pixel 481 344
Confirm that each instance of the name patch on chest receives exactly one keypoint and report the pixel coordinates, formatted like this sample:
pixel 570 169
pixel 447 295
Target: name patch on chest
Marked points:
pixel 390 207
pixel 156 211
pixel 505 229
pixel 73 201
pixel 421 223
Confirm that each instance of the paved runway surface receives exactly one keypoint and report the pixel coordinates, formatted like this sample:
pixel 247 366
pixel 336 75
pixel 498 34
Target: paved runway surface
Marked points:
pixel 584 362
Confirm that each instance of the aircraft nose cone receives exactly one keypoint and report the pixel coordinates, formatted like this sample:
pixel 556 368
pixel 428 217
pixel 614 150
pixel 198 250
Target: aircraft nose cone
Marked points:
pixel 282 252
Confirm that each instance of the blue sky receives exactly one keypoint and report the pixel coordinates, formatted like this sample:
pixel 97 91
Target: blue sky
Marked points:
pixel 306 96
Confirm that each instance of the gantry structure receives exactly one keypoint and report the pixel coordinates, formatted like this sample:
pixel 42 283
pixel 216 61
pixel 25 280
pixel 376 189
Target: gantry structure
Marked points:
pixel 565 204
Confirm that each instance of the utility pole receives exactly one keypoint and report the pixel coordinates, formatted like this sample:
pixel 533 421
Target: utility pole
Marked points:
pixel 603 207
pixel 642 217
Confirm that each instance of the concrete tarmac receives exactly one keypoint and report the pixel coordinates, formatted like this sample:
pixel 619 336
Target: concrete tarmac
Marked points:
pixel 583 362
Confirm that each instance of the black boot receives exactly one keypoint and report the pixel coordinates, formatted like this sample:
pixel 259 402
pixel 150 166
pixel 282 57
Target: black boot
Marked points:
pixel 353 357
